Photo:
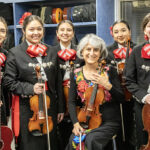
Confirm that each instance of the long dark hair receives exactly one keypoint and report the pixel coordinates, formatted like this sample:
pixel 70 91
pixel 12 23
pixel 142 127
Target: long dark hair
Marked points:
pixel 121 21
pixel 66 21
pixel 146 19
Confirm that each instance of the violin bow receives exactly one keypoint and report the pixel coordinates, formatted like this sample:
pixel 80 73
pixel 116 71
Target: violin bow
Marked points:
pixel 46 113
pixel 80 141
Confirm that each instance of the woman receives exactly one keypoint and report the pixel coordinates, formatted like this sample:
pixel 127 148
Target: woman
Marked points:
pixel 92 50
pixel 67 62
pixel 3 54
pixel 21 80
pixel 119 53
pixel 137 79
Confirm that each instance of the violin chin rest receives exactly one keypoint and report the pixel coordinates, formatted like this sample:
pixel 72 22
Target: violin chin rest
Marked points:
pixel 36 133
pixel 84 125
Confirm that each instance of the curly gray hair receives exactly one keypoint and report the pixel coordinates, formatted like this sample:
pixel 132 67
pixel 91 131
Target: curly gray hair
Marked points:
pixel 96 42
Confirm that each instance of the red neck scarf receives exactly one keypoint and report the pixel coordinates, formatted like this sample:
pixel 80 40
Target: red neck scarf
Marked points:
pixel 145 53
pixel 121 52
pixel 2 59
pixel 67 54
pixel 37 50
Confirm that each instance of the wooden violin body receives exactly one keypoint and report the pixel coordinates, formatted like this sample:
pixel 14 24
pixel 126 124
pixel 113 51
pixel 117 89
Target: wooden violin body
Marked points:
pixel 6 138
pixel 120 68
pixel 146 123
pixel 38 117
pixel 91 110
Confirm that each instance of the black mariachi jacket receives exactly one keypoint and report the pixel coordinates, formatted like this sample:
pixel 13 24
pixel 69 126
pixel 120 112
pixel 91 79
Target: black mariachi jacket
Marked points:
pixel 20 76
pixel 138 73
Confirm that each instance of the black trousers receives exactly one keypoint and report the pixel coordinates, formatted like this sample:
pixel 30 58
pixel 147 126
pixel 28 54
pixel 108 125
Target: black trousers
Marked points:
pixel 129 143
pixel 64 132
pixel 98 138
pixel 142 135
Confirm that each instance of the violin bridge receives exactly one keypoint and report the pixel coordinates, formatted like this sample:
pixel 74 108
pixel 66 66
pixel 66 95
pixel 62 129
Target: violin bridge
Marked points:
pixel 41 115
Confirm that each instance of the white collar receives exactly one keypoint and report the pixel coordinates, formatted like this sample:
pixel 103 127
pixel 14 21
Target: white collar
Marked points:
pixel 120 46
pixel 63 48
pixel 30 43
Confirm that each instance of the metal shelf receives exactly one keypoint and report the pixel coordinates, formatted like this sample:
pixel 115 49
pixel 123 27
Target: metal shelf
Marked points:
pixel 11 27
pixel 76 24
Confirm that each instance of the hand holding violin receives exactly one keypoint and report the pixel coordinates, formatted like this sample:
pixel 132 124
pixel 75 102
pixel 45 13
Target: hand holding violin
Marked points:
pixel 147 99
pixel 38 88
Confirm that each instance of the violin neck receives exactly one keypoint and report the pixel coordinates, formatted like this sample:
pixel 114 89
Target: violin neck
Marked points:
pixel 93 96
pixel 41 102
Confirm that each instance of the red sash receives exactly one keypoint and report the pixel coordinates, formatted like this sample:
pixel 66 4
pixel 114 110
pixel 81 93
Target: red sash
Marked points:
pixel 37 50
pixel 121 52
pixel 15 115
pixel 2 59
pixel 67 54
pixel 145 53
pixel 66 83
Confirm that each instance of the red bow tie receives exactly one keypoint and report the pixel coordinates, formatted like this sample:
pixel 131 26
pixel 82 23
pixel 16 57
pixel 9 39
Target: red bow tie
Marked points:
pixel 145 53
pixel 67 54
pixel 2 59
pixel 121 52
pixel 37 50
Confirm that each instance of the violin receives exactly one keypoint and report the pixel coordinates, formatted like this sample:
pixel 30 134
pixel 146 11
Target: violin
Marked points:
pixel 89 116
pixel 40 123
pixel 120 69
pixel 146 123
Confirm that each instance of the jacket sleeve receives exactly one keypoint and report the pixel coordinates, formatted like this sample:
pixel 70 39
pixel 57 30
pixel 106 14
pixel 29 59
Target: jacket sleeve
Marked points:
pixel 72 99
pixel 11 77
pixel 59 90
pixel 116 90
pixel 131 78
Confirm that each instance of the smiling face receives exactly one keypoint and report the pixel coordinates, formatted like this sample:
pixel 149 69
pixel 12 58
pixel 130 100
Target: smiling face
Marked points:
pixel 121 33
pixel 90 54
pixel 3 32
pixel 34 32
pixel 65 33
pixel 147 30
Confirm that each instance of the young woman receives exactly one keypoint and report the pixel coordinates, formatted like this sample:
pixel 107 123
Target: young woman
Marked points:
pixel 118 53
pixel 67 62
pixel 137 79
pixel 21 80
pixel 3 54
pixel 92 50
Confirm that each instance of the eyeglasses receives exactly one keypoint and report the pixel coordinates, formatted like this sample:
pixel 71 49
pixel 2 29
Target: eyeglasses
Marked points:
pixel 2 30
